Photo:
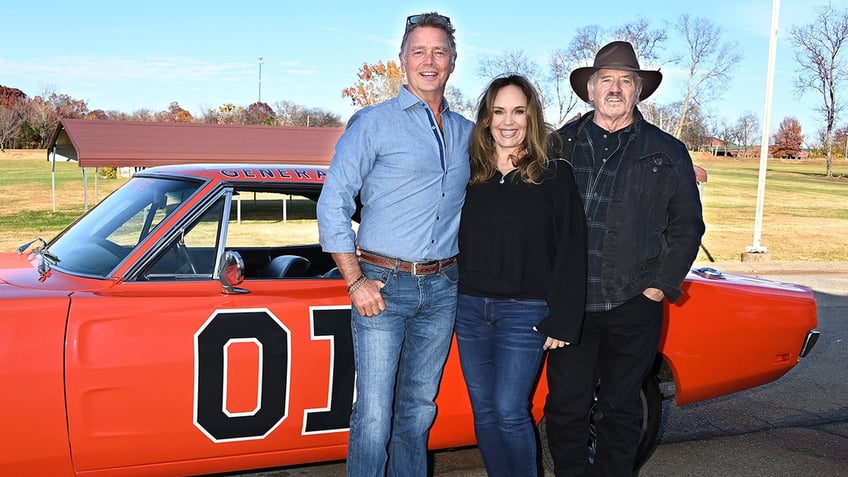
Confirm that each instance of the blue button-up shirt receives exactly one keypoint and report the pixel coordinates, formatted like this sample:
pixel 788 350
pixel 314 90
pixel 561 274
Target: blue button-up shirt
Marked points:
pixel 410 177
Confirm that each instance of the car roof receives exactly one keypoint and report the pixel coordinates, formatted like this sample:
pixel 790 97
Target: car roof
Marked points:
pixel 254 173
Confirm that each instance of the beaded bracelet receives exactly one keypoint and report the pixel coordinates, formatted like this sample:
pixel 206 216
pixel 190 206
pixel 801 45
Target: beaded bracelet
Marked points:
pixel 356 284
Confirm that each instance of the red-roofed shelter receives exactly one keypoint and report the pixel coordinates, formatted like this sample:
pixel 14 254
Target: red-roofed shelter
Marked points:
pixel 97 143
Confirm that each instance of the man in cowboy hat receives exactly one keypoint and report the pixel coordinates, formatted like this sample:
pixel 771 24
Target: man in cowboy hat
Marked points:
pixel 644 223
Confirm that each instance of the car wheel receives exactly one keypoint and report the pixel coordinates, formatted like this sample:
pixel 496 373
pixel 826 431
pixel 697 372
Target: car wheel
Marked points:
pixel 655 414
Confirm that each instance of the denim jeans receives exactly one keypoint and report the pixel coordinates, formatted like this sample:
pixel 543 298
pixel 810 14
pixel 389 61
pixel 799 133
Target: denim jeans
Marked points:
pixel 399 356
pixel 501 357
pixel 618 347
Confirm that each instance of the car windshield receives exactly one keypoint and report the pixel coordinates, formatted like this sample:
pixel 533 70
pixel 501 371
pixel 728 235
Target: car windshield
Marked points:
pixel 99 241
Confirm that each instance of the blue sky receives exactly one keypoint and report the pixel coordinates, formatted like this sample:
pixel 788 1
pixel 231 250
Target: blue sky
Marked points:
pixel 130 55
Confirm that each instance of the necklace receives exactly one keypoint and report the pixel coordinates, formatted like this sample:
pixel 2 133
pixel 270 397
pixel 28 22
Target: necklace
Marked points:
pixel 511 163
pixel 504 174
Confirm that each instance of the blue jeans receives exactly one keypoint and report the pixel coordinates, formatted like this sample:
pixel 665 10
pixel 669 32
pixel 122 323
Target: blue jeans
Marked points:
pixel 501 357
pixel 399 355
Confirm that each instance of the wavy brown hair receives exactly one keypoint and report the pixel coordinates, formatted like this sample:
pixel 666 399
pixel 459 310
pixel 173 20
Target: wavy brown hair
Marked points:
pixel 537 141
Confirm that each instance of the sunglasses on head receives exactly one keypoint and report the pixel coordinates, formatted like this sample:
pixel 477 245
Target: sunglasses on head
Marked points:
pixel 413 20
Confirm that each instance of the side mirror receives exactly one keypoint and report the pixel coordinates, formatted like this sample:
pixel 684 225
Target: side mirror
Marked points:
pixel 231 273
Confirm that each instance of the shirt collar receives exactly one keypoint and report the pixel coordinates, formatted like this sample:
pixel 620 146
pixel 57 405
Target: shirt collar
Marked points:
pixel 407 99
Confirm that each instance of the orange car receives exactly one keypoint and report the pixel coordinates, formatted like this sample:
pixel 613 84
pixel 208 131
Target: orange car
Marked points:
pixel 189 324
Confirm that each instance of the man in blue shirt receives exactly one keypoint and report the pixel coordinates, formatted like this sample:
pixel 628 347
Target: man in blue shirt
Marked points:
pixel 407 161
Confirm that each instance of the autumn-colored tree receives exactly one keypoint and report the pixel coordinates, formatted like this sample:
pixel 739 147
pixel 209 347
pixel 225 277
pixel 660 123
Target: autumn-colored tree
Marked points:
pixel 174 114
pixel 67 107
pixel 840 141
pixel 230 114
pixel 377 83
pixel 97 114
pixel 11 114
pixel 788 139
pixel 259 113
pixel 42 114
pixel 10 96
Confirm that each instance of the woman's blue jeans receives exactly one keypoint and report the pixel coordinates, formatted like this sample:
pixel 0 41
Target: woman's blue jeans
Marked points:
pixel 501 355
pixel 399 355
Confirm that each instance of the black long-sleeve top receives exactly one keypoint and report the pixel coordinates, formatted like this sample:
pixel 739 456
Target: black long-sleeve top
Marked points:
pixel 520 240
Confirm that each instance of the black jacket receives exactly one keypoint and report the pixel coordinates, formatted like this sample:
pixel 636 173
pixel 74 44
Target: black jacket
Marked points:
pixel 654 220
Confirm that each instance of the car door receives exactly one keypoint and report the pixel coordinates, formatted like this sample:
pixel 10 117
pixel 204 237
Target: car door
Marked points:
pixel 170 375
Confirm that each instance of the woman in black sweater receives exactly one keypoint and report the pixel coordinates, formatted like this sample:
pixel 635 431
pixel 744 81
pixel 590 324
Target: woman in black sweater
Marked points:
pixel 522 264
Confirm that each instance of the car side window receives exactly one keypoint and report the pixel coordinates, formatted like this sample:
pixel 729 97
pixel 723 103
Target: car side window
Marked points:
pixel 192 251
pixel 275 233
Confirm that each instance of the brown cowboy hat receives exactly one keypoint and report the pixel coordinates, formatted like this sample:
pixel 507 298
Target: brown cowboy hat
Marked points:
pixel 618 55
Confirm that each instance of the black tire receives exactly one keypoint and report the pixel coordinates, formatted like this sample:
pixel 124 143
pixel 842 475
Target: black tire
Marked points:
pixel 652 419
pixel 655 415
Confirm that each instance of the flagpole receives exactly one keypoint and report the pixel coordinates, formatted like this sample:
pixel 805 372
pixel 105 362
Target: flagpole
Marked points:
pixel 757 250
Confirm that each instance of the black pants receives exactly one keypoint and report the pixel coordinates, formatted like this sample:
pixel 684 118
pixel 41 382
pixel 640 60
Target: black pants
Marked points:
pixel 618 347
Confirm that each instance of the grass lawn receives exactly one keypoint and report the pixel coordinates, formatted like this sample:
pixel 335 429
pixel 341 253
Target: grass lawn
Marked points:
pixel 805 215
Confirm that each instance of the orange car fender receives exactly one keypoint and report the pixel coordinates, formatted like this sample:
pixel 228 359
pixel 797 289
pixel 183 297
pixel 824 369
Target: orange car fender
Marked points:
pixel 722 338
pixel 32 335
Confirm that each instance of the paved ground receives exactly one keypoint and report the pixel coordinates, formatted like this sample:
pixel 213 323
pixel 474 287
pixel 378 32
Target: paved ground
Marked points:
pixel 796 426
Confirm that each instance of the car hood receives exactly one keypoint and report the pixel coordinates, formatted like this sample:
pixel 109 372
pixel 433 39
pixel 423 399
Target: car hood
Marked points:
pixel 20 272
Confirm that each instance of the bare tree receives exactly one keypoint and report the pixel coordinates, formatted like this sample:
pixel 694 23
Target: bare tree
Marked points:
pixel 10 121
pixel 561 65
pixel 710 63
pixel 822 68
pixel 663 116
pixel 321 118
pixel 584 46
pixel 510 62
pixel 42 118
pixel 646 41
pixel 288 113
pixel 513 62
pixel 726 135
pixel 747 128
pixel 145 114
pixel 459 103
pixel 695 131
pixel 579 52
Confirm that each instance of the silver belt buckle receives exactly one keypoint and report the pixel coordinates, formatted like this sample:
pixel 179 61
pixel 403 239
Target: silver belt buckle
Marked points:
pixel 414 269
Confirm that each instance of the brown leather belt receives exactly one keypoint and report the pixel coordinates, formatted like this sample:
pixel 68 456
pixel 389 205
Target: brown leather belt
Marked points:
pixel 415 268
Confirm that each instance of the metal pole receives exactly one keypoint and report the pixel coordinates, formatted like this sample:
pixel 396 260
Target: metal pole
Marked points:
pixel 53 176
pixel 260 80
pixel 761 180
pixel 85 189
